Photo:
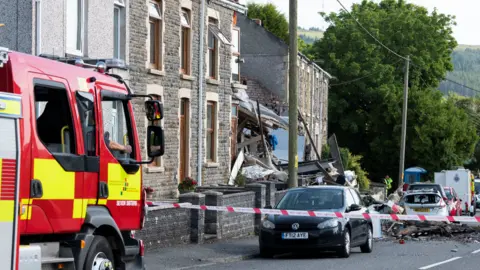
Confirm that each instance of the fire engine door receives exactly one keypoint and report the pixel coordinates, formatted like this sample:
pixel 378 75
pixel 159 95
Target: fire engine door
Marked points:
pixel 10 111
pixel 120 179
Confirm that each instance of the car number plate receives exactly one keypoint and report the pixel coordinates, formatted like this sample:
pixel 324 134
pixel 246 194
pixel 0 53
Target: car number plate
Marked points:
pixel 295 235
pixel 425 210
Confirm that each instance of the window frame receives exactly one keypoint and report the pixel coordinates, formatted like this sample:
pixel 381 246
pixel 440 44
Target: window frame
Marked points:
pixel 82 124
pixel 157 21
pixel 80 29
pixel 235 53
pixel 212 129
pixel 185 42
pixel 105 93
pixel 119 51
pixel 348 193
pixel 212 63
pixel 158 161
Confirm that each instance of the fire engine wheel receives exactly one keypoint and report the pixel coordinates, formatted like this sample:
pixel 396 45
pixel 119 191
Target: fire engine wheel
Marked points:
pixel 100 255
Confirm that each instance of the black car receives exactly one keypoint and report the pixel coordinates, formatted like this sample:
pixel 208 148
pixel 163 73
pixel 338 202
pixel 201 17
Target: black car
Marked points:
pixel 293 233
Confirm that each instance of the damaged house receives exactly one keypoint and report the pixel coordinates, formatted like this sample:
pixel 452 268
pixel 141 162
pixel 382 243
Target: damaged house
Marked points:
pixel 262 95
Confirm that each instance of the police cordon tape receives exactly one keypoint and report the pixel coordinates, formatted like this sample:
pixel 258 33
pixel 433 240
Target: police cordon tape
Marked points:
pixel 302 213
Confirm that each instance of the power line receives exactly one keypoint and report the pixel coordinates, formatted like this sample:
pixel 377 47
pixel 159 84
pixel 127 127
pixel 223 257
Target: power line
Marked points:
pixel 370 34
pixel 462 85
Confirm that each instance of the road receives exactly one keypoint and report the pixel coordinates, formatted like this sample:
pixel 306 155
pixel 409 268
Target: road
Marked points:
pixel 386 255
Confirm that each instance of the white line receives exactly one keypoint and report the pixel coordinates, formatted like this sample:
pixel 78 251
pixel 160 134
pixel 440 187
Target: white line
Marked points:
pixel 440 263
pixel 476 251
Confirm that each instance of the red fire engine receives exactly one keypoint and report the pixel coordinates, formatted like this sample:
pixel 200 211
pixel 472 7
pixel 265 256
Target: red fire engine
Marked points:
pixel 70 164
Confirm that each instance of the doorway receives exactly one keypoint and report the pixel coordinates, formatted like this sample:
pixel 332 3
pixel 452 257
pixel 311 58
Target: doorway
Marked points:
pixel 184 137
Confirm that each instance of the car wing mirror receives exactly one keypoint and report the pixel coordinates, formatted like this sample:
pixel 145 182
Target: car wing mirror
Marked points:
pixel 353 207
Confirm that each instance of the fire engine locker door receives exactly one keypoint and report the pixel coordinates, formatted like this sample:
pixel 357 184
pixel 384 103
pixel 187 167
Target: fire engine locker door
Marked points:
pixel 9 181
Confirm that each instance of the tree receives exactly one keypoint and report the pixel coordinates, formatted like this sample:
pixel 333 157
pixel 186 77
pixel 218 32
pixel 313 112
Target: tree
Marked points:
pixel 272 19
pixel 365 114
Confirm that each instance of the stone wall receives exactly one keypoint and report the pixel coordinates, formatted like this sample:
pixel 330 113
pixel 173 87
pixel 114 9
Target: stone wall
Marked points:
pixel 171 86
pixel 166 227
pixel 235 225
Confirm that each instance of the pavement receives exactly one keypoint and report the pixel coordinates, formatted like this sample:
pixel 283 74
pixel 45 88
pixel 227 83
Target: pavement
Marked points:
pixel 243 254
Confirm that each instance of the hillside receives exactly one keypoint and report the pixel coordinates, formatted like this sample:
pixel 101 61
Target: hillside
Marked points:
pixel 466 62
pixel 309 35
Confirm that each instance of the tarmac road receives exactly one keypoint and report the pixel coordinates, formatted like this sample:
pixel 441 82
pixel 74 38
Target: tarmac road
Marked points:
pixel 386 255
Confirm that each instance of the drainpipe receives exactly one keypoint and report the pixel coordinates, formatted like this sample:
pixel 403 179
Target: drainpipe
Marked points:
pixel 312 116
pixel 200 93
pixel 38 28
pixel 323 88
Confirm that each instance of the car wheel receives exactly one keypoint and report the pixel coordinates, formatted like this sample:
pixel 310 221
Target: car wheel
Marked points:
pixel 344 251
pixel 266 253
pixel 368 246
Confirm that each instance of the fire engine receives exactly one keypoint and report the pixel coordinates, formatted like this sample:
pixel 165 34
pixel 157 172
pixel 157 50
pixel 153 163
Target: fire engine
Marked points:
pixel 71 193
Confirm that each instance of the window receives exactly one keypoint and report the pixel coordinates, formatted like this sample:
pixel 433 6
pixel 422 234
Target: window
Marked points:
pixel 119 29
pixel 157 162
pixel 211 130
pixel 117 131
pixel 235 54
pixel 350 199
pixel 185 41
pixel 86 112
pixel 54 119
pixel 212 50
pixel 155 33
pixel 356 197
pixel 75 26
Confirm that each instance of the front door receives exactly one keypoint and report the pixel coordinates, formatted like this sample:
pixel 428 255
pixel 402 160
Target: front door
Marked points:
pixel 119 179
pixel 184 137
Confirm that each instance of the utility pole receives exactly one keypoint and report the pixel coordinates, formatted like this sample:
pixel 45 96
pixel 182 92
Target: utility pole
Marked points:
pixel 404 123
pixel 293 98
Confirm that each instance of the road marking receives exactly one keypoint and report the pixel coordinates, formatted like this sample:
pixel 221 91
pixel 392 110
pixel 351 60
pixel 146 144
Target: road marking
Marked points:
pixel 476 251
pixel 439 263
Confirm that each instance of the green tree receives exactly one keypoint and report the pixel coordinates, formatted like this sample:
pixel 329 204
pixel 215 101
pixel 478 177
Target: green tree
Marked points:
pixel 366 114
pixel 272 19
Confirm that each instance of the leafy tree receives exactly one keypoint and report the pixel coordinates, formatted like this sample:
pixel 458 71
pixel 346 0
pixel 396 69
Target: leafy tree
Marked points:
pixel 305 48
pixel 366 114
pixel 272 19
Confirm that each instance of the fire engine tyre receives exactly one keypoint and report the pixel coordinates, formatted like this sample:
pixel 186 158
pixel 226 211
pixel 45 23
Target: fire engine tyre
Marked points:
pixel 100 255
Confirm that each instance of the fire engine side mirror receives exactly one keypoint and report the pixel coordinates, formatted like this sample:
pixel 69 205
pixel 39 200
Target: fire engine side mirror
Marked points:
pixel 156 141
pixel 154 110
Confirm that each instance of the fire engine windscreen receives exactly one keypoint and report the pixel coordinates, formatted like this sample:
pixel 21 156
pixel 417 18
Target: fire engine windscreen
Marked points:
pixel 117 128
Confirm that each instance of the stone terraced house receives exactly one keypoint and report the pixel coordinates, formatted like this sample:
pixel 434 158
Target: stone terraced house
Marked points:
pixel 160 42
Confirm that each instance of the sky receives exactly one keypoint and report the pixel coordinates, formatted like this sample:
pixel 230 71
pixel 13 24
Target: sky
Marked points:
pixel 466 12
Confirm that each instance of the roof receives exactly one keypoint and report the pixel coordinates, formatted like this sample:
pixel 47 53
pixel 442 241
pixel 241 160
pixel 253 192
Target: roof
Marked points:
pixel 415 170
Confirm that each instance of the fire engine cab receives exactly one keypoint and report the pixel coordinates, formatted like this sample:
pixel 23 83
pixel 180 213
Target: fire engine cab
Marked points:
pixel 71 189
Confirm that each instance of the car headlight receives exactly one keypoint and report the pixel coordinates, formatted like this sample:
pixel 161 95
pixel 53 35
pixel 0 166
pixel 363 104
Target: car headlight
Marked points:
pixel 331 223
pixel 267 224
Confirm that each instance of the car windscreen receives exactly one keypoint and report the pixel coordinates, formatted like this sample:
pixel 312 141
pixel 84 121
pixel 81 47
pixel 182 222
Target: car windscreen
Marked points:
pixel 312 199
pixel 422 199
pixel 449 193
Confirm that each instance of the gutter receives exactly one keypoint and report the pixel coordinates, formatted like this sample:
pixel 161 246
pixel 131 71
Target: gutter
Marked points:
pixel 201 76
pixel 234 6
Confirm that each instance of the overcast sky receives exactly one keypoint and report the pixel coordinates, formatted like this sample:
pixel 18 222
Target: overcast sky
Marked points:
pixel 466 11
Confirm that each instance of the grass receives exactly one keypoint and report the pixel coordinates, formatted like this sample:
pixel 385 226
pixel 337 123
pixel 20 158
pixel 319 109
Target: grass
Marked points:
pixel 312 34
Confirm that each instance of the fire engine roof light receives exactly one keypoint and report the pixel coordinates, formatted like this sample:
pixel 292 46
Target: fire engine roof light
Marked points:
pixel 115 63
pixel 79 62
pixel 101 66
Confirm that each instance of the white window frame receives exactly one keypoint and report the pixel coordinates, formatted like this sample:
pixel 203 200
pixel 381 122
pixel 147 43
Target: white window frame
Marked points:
pixel 235 53
pixel 158 67
pixel 120 7
pixel 81 23
pixel 212 97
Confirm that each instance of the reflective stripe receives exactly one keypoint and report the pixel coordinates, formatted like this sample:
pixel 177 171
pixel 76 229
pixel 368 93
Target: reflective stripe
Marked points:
pixel 10 105
pixel 6 214
pixel 56 182
pixel 123 186
pixel 80 208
